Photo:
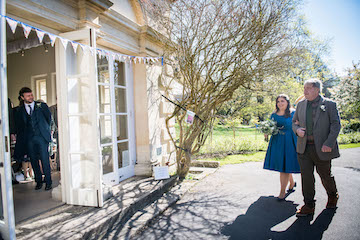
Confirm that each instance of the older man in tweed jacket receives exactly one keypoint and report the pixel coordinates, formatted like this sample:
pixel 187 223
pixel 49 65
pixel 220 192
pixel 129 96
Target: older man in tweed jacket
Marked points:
pixel 317 124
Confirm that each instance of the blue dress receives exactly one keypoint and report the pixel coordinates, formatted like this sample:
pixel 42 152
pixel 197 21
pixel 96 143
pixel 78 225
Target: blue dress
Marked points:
pixel 281 154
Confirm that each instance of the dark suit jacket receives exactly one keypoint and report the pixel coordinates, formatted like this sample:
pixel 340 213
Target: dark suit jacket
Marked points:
pixel 326 127
pixel 12 128
pixel 41 114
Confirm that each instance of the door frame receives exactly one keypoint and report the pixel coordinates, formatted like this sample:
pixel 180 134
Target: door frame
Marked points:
pixel 7 224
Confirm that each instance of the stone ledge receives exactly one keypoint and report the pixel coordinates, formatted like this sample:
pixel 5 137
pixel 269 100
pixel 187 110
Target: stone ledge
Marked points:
pixel 205 164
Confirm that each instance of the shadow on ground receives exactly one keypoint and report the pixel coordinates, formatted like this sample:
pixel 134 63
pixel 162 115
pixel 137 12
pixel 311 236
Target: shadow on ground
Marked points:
pixel 267 212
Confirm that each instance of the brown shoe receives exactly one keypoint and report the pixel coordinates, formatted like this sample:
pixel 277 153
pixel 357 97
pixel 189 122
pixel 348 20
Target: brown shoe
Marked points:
pixel 305 211
pixel 332 201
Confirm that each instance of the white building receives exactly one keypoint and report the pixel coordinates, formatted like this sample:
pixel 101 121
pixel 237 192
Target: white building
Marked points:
pixel 110 110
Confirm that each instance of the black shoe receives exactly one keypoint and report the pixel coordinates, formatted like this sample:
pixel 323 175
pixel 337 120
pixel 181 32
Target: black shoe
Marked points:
pixel 38 186
pixel 290 190
pixel 48 187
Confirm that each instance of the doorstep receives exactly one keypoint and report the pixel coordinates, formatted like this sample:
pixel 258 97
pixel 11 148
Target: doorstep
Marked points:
pixel 78 222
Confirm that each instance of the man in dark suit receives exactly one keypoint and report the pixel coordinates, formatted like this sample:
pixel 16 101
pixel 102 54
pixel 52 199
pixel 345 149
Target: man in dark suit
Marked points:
pixel 317 124
pixel 33 121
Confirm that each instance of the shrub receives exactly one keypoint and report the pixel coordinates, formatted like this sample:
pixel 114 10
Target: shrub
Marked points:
pixel 352 126
pixel 353 137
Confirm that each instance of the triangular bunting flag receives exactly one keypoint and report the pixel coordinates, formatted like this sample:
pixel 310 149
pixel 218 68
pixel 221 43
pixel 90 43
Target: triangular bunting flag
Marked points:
pixel 74 45
pixel 64 42
pixel 91 50
pixel 122 58
pixel 40 35
pixel 82 47
pixel 13 24
pixel 52 38
pixel 99 53
pixel 27 30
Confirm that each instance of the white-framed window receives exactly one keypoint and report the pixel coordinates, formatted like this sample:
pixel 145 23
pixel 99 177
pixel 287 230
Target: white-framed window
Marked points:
pixel 41 89
pixel 113 115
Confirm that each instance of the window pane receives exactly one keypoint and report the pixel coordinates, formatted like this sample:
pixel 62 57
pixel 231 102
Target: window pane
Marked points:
pixel 123 154
pixel 107 158
pixel 121 127
pixel 103 70
pixel 119 73
pixel 120 100
pixel 104 99
pixel 105 129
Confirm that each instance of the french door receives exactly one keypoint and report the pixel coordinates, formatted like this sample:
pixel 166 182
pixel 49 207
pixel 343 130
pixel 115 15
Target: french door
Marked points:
pixel 7 219
pixel 116 123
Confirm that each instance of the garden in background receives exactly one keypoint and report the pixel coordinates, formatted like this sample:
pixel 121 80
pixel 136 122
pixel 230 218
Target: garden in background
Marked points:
pixel 231 144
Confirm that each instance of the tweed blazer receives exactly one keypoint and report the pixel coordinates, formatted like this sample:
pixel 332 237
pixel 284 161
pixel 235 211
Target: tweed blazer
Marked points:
pixel 325 130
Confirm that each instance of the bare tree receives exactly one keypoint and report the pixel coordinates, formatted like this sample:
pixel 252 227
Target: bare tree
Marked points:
pixel 214 47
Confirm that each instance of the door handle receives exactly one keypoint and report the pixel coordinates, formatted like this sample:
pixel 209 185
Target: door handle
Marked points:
pixel 6 144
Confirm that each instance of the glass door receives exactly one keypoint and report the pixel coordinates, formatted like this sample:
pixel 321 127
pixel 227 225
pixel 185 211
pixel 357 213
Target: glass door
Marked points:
pixel 7 219
pixel 116 140
pixel 81 176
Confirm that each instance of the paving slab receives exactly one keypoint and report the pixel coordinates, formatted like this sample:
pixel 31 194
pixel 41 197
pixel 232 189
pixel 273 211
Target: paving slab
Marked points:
pixel 78 222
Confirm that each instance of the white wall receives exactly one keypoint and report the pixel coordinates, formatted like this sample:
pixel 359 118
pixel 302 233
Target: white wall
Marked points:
pixel 124 7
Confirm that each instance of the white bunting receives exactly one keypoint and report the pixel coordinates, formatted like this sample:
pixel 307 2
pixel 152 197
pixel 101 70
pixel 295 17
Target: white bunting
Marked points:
pixel 122 58
pixel 13 24
pixel 64 41
pixel 26 29
pixel 52 38
pixel 99 53
pixel 40 35
pixel 82 47
pixel 91 50
pixel 74 45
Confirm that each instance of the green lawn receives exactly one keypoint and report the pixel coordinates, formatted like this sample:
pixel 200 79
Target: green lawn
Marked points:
pixel 247 140
pixel 350 145
pixel 240 158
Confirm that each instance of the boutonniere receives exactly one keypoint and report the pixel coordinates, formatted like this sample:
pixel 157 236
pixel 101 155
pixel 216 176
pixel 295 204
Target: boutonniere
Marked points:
pixel 38 105
pixel 323 107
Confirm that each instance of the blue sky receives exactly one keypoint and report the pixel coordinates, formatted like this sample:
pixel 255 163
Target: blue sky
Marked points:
pixel 338 20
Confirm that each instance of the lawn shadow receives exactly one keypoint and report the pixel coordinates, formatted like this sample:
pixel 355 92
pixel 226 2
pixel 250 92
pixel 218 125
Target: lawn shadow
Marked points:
pixel 260 217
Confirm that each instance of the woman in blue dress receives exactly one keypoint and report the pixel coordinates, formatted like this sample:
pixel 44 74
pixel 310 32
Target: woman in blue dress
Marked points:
pixel 281 154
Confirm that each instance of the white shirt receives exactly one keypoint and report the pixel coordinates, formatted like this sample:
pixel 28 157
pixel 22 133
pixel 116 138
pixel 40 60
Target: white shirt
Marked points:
pixel 28 106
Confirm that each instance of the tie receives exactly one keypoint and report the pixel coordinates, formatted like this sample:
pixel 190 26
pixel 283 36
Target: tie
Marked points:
pixel 30 110
pixel 309 119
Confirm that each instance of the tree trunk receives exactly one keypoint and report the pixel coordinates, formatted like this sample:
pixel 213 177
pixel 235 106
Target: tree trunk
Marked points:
pixel 183 160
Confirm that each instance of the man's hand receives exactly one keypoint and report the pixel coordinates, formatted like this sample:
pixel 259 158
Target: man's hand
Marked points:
pixel 300 132
pixel 326 148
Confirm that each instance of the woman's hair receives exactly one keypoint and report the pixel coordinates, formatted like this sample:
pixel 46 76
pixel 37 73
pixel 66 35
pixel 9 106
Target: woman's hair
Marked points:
pixel 287 110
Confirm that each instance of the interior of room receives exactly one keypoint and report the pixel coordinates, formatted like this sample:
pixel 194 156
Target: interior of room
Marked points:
pixel 31 63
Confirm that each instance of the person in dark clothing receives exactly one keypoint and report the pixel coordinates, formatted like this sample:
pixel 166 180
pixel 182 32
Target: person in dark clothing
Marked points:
pixel 33 122
pixel 20 151
pixel 12 132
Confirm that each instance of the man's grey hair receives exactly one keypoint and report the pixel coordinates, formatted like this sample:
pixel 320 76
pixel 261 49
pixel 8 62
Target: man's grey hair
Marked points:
pixel 315 83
